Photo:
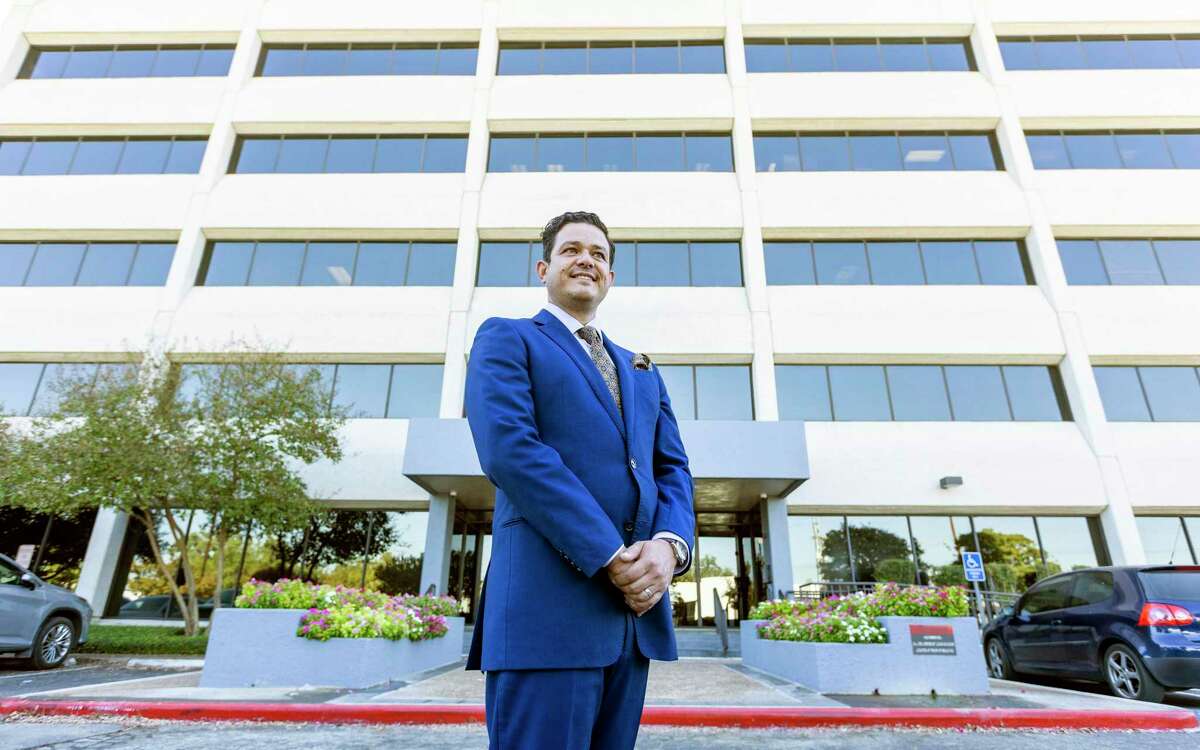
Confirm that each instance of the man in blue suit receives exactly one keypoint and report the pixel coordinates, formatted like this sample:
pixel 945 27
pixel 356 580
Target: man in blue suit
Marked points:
pixel 593 512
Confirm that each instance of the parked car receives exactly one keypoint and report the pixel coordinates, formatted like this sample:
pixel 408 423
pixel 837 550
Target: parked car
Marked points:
pixel 163 607
pixel 1135 628
pixel 38 620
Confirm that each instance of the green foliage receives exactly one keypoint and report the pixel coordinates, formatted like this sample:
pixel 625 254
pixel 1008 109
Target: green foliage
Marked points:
pixel 395 575
pixel 896 569
pixel 136 639
pixel 709 567
pixel 295 594
pixel 872 546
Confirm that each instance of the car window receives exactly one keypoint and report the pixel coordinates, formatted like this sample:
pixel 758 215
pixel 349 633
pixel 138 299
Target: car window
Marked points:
pixel 1171 584
pixel 1052 595
pixel 1092 587
pixel 9 574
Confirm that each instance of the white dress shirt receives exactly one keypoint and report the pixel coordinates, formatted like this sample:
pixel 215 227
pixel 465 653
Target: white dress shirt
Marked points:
pixel 573 325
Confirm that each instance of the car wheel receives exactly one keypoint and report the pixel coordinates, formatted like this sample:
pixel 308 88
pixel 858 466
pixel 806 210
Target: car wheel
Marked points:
pixel 1128 677
pixel 54 641
pixel 998 663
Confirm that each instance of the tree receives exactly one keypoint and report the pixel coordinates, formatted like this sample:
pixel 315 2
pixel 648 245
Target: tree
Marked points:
pixel 871 545
pixel 399 575
pixel 332 538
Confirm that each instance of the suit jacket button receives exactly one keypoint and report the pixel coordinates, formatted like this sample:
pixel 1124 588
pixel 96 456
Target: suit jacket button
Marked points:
pixel 633 463
pixel 629 526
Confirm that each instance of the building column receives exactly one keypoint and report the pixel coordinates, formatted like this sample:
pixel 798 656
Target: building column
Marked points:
pixel 435 565
pixel 102 558
pixel 777 546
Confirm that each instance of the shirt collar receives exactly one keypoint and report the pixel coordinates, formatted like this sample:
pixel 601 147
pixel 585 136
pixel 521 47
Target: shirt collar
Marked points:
pixel 569 320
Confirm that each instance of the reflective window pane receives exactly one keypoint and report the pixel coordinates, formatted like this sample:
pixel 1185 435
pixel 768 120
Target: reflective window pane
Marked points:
pixel 14 262
pixel 803 392
pixel 18 381
pixel 362 389
pixel 918 393
pixel 1049 151
pixel 658 153
pixel 106 264
pixel 416 391
pixel 810 57
pixel 777 153
pixel 215 61
pixel 560 153
pixel 656 57
pixel 875 153
pixel 681 389
pixel 13 155
pixel 50 157
pixel 723 392
pixel 50 63
pixel 1056 54
pixel 55 264
pixel 904 55
pixel 1081 262
pixel 457 60
pixel 88 63
pixel 1189 51
pixel 973 152
pixel 520 60
pixel 1000 262
pixel 1031 393
pixel 1018 55
pixel 445 154
pixel 1130 262
pixel 825 153
pixel 768 56
pixel 1163 540
pixel 948 56
pixel 257 155
pixel 564 59
pixel 283 61
pixel 276 264
pixel 841 263
pixel 328 264
pixel 415 60
pixel 146 156
pixel 859 393
pixel 172 62
pixel 152 264
pixel 880 545
pixel 1154 53
pixel 702 57
pixel 949 262
pixel 511 154
pixel 819 549
pixel 607 153
pixel 610 58
pixel 98 156
pixel 370 61
pixel 895 263
pixel 856 55
pixel 229 264
pixel 398 154
pixel 1144 151
pixel 977 393
pixel 1180 260
pixel 1173 393
pixel 55 378
pixel 431 264
pixel 185 156
pixel 1089 151
pixel 504 264
pixel 1107 54
pixel 709 153
pixel 925 152
pixel 302 155
pixel 624 264
pixel 1185 149
pixel 1011 557
pixel 325 61
pixel 1066 543
pixel 350 155
pixel 940 541
pixel 716 264
pixel 381 264
pixel 132 63
pixel 789 263
pixel 662 264
pixel 1121 393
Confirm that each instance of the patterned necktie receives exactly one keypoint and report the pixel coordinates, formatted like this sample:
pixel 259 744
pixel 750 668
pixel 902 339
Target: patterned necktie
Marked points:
pixel 603 362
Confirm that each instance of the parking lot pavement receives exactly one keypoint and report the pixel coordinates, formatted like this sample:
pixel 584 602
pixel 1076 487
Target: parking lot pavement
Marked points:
pixel 1189 699
pixel 26 734
pixel 17 680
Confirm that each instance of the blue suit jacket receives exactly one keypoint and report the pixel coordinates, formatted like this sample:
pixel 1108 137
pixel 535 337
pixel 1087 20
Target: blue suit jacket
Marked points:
pixel 574 480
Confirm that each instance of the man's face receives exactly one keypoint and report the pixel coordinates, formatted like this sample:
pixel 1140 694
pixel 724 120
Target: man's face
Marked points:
pixel 578 274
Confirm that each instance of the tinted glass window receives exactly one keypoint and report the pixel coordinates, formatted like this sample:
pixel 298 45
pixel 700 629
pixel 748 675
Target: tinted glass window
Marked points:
pixel 808 55
pixel 1098 53
pixel 381 264
pixel 610 153
pixel 560 153
pixel 904 55
pixel 97 157
pixel 142 156
pixel 49 63
pixel 13 155
pixel 363 390
pixel 1060 53
pixel 14 262
pixel 1000 262
pixel 1088 151
pixel 1171 585
pixel 1143 150
pixel 789 263
pixel 1173 393
pixel 926 152
pixel 874 153
pixel 1092 587
pixel 50 157
pixel 771 55
pixel 511 154
pixel 1032 394
pixel 803 392
pixel 176 62
pixel 973 152
pixel 658 153
pixel 504 264
pixel 276 264
pixel 431 264
pixel 563 59
pixel 1018 54
pixel 1163 539
pixel 398 154
pixel 949 262
pixel 18 382
pixel 825 153
pixel 610 58
pixel 977 393
pixel 681 389
pixel 1049 596
pixel 128 61
pixel 656 57
pixel 709 153
pixel 1130 262
pixel 457 60
pixel 1081 262
pixel 859 393
pixel 1180 260
pixel 302 155
pixel 257 155
pixel 948 56
pixel 723 392
pixel 856 55
pixel 106 264
pixel 328 264
pixel 416 391
pixel 152 264
pixel 229 263
pixel 918 393
pixel 215 61
pixel 1049 151
pixel 1121 393
pixel 662 264
pixel 573 58
pixel 350 155
pixel 840 262
pixel 716 264
pixel 895 263
pixel 368 59
pixel 700 57
pixel 1148 150
pixel 445 154
pixel 776 153
pixel 55 264
pixel 185 156
pixel 1185 149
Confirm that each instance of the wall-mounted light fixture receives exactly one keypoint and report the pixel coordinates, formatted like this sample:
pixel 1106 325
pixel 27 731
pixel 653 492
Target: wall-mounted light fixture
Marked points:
pixel 947 482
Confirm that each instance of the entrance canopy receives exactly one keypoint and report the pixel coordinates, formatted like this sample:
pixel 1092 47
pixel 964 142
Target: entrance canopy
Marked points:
pixel 734 463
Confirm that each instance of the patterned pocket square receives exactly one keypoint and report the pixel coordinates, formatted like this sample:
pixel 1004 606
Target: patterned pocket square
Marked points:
pixel 641 362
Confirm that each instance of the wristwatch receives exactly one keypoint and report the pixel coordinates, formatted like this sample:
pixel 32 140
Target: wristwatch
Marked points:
pixel 680 549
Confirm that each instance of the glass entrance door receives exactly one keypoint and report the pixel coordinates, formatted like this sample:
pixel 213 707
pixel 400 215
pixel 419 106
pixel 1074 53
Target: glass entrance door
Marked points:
pixel 726 573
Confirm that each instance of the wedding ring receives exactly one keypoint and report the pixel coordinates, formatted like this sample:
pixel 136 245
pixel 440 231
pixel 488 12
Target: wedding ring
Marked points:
pixel 648 592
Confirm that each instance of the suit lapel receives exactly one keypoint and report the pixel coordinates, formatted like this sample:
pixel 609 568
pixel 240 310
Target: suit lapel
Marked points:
pixel 558 333
pixel 621 357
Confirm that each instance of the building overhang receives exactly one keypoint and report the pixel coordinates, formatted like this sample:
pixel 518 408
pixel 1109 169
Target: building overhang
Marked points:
pixel 734 463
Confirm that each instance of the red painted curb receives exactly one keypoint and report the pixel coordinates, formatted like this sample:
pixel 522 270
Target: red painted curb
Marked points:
pixel 709 716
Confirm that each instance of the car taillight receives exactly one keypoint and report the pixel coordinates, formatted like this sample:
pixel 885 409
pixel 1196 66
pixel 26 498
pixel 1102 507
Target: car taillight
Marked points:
pixel 1164 615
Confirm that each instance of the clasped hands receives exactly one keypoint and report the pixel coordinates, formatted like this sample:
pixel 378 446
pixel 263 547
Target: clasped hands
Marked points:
pixel 643 571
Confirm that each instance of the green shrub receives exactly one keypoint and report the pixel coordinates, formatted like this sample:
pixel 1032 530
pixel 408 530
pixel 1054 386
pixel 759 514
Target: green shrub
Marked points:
pixel 138 639
pixel 896 569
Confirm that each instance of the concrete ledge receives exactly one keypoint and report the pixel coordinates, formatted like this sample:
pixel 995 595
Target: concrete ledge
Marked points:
pixel 709 716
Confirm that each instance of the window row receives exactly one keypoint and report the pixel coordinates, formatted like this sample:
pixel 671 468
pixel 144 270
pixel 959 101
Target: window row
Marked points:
pixel 35 388
pixel 893 151
pixel 808 55
pixel 897 262
pixel 85 263
pixel 128 61
pixel 328 264
pixel 681 263
pixel 1130 262
pixel 1017 550
pixel 1149 394
pixel 611 152
pixel 597 58
pixel 1079 53
pixel 920 393
pixel 366 391
pixel 1170 540
pixel 101 155
pixel 447 59
pixel 1154 149
pixel 306 154
pixel 709 391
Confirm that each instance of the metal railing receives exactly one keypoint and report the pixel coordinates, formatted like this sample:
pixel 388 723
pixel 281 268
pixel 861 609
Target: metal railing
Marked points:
pixel 721 620
pixel 984 608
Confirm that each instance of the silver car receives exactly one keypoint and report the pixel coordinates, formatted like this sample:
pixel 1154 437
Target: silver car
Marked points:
pixel 38 620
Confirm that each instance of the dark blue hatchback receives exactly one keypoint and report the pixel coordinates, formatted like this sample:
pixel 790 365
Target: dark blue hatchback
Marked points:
pixel 1135 628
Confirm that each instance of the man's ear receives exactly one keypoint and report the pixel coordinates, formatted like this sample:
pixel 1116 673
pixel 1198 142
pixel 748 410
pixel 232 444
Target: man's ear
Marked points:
pixel 541 266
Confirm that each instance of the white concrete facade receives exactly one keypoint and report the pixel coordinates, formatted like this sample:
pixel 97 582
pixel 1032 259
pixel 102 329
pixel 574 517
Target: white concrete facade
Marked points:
pixel 1087 466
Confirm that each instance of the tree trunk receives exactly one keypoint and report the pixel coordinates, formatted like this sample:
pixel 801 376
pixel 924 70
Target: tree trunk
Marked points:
pixel 147 519
pixel 222 537
pixel 191 616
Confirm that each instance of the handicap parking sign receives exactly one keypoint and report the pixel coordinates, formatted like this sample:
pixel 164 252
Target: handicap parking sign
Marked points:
pixel 973 566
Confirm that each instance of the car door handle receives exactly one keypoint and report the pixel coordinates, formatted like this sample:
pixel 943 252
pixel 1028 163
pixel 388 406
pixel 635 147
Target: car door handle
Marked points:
pixel 1056 622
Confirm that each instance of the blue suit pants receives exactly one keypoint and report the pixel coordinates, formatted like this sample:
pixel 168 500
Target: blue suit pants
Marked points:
pixel 569 709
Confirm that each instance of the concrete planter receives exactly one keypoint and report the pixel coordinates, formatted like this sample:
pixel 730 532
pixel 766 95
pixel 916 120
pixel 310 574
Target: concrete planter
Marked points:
pixel 947 657
pixel 259 648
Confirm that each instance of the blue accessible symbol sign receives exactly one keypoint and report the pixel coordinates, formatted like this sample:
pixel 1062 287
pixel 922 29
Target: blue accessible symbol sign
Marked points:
pixel 973 566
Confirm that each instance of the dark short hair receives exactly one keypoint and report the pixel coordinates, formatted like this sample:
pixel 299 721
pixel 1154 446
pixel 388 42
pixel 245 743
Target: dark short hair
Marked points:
pixel 550 232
